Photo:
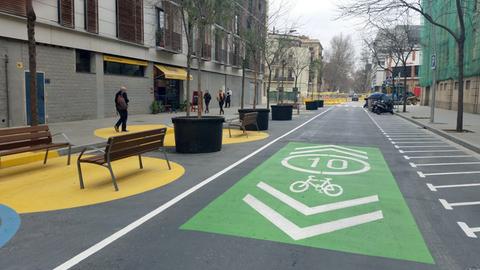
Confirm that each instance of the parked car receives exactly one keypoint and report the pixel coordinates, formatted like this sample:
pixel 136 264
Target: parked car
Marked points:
pixel 355 97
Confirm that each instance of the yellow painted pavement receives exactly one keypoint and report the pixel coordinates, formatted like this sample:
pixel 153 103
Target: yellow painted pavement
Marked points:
pixel 36 188
pixel 237 135
pixel 28 157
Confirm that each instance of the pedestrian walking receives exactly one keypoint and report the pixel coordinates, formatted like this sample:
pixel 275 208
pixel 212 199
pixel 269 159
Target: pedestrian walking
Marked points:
pixel 121 104
pixel 207 97
pixel 228 99
pixel 221 100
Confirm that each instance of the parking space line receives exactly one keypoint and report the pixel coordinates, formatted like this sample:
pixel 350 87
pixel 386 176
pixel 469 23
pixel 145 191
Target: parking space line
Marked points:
pixel 449 206
pixel 435 188
pixel 415 142
pixel 421 146
pixel 429 157
pixel 423 175
pixel 470 232
pixel 428 151
pixel 445 164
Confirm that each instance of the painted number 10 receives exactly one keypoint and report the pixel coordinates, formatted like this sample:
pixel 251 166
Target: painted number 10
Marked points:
pixel 334 164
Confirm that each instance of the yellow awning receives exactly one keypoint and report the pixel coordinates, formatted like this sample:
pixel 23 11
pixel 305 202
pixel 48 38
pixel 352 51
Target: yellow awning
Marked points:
pixel 124 60
pixel 173 73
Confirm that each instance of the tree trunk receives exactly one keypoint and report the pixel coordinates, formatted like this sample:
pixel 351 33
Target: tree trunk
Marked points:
pixel 405 87
pixel 201 32
pixel 461 57
pixel 268 86
pixel 242 97
pixel 255 87
pixel 189 71
pixel 32 62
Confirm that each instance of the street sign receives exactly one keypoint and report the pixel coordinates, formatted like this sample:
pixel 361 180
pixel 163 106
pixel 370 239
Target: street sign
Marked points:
pixel 321 196
pixel 433 61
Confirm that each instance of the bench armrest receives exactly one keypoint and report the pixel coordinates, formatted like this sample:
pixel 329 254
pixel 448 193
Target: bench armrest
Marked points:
pixel 63 135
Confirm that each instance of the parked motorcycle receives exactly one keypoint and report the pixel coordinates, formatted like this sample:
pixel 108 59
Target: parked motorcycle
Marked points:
pixel 383 106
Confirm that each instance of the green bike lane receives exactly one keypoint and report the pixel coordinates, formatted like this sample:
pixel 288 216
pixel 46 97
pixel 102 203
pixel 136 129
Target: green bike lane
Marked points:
pixel 323 197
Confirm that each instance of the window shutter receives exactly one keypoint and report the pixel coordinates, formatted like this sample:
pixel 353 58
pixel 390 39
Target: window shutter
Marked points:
pixel 66 13
pixel 15 7
pixel 130 20
pixel 91 16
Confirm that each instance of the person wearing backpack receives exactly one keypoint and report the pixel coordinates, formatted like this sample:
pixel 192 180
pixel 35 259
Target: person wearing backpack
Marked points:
pixel 121 104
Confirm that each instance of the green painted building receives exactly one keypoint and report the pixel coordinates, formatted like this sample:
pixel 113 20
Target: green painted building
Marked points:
pixel 435 38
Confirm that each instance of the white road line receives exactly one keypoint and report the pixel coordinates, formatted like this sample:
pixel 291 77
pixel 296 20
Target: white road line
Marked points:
pixel 470 232
pixel 137 223
pixel 435 188
pixel 415 142
pixel 410 137
pixel 306 210
pixel 449 206
pixel 421 174
pixel 429 157
pixel 446 164
pixel 448 173
pixel 429 151
pixel 421 146
pixel 297 233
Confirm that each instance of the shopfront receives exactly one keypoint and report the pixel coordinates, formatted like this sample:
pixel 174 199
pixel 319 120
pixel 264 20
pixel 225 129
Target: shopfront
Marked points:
pixel 168 82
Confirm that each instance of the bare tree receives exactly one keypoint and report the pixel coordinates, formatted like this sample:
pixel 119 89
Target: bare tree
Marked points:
pixel 32 62
pixel 391 9
pixel 340 58
pixel 198 17
pixel 301 59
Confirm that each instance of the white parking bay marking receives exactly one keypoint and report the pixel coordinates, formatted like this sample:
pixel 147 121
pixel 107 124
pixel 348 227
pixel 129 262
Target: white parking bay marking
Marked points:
pixel 435 188
pixel 445 164
pixel 306 210
pixel 449 206
pixel 470 232
pixel 423 175
pixel 297 233
pixel 429 157
pixel 429 151
pixel 415 142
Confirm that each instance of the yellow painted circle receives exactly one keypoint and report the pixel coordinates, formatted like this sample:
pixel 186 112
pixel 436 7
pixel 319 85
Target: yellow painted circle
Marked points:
pixel 237 135
pixel 36 188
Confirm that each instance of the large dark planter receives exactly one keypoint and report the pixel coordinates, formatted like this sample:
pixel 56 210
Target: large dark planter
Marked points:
pixel 262 118
pixel 319 103
pixel 198 135
pixel 282 112
pixel 311 105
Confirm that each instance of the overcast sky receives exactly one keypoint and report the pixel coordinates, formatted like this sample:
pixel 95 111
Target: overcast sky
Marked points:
pixel 317 20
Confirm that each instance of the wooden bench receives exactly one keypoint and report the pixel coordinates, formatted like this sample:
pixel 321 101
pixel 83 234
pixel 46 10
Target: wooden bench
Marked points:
pixel 248 119
pixel 124 146
pixel 28 139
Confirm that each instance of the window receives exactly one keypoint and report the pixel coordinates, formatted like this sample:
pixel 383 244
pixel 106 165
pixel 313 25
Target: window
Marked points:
pixel 130 20
pixel 236 29
pixel 13 7
pixel 467 85
pixel 160 27
pixel 66 13
pixel 84 61
pixel 114 68
pixel 91 16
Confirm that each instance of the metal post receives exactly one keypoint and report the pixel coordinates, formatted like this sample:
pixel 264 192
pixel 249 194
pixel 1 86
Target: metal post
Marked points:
pixel 9 122
pixel 433 93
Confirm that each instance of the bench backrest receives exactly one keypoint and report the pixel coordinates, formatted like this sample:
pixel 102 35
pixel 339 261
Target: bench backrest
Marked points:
pixel 12 138
pixel 249 118
pixel 123 146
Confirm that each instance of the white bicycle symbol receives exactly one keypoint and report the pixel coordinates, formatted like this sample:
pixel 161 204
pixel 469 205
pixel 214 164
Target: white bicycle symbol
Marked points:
pixel 322 186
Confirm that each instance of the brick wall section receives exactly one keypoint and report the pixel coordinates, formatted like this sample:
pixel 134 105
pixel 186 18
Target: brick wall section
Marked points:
pixel 70 95
pixel 138 92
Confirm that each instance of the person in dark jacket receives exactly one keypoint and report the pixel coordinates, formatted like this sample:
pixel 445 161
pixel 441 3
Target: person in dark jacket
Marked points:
pixel 207 97
pixel 121 104
pixel 221 100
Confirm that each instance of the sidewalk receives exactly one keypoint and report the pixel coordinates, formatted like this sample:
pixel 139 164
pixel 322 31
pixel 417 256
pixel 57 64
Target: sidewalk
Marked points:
pixel 445 121
pixel 81 133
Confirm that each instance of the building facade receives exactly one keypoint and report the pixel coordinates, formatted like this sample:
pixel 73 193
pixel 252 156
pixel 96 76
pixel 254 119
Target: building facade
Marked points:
pixel 87 49
pixel 299 67
pixel 441 43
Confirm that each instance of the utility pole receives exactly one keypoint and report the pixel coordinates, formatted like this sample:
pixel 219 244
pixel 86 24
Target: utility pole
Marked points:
pixel 433 65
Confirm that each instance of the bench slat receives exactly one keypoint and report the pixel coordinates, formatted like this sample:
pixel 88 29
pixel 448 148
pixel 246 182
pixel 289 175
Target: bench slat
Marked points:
pixel 20 130
pixel 137 135
pixel 21 144
pixel 133 151
pixel 24 137
pixel 138 141
pixel 32 148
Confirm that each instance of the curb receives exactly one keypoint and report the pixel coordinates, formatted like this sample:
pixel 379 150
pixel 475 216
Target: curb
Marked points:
pixel 443 134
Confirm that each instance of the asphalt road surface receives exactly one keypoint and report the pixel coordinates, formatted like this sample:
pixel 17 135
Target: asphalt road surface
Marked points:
pixel 339 188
